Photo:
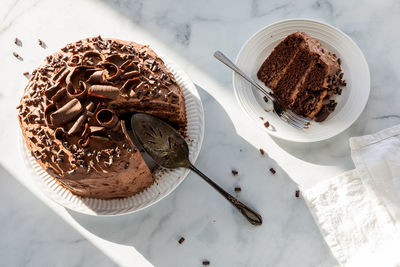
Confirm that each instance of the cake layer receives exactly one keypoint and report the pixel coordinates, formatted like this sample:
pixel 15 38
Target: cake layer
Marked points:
pixel 73 110
pixel 302 75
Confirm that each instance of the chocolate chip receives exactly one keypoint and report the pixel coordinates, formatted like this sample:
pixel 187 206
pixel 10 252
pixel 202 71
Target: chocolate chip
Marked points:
pixel 180 241
pixel 262 151
pixel 206 262
pixel 266 124
pixel 297 193
pixel 272 170
pixel 238 189
pixel 235 172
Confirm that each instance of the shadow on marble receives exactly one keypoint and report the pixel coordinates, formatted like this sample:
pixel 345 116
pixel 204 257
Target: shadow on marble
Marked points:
pixel 332 152
pixel 52 241
pixel 213 229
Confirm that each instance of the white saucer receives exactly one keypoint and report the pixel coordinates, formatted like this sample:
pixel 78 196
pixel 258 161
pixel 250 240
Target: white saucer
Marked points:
pixel 354 66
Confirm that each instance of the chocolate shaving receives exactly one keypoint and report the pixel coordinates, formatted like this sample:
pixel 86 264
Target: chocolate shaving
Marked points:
pixel 90 107
pixel 97 77
pixel 78 123
pixel 51 91
pixel 66 113
pixel 84 142
pixel 95 129
pixel 92 56
pixel 106 118
pixel 104 91
pixel 47 112
pixel 112 71
pixel 130 74
pixel 80 93
pixel 60 76
pixel 60 133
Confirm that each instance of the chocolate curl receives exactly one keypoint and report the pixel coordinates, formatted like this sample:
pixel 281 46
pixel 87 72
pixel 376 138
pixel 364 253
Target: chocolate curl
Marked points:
pixel 115 59
pixel 85 130
pixel 74 61
pixel 80 94
pixel 127 137
pixel 67 113
pixel 130 74
pixel 106 118
pixel 61 98
pixel 90 107
pixel 93 56
pixel 98 77
pixel 112 71
pixel 125 64
pixel 78 123
pixel 96 129
pixel 51 91
pixel 61 75
pixel 47 112
pixel 60 133
pixel 84 142
pixel 104 91
pixel 129 84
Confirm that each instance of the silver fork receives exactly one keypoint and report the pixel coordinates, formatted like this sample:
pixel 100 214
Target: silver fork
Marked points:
pixel 286 115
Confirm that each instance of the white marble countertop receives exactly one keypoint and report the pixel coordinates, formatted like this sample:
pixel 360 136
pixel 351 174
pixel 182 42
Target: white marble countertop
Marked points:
pixel 37 232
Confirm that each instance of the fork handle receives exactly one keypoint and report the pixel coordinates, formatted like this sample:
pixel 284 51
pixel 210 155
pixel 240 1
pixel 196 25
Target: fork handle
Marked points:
pixel 252 216
pixel 221 57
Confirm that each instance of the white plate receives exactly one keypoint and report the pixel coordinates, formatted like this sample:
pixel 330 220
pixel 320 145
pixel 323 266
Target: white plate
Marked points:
pixel 355 68
pixel 166 180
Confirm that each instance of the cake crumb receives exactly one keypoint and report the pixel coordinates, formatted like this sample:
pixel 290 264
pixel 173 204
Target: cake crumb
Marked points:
pixel 238 189
pixel 272 170
pixel 266 124
pixel 180 241
pixel 15 54
pixel 17 41
pixel 26 73
pixel 297 193
pixel 235 172
pixel 206 262
pixel 262 118
pixel 262 151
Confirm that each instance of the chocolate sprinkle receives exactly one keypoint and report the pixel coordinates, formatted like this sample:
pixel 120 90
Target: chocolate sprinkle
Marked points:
pixel 235 172
pixel 297 193
pixel 180 241
pixel 238 189
pixel 206 262
pixel 272 170
pixel 262 151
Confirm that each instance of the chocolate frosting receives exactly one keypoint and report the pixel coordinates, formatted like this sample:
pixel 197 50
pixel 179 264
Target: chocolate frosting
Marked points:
pixel 73 109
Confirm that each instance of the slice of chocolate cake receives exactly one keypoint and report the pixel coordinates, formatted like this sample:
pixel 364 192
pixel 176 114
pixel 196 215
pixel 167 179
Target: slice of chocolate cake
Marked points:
pixel 303 76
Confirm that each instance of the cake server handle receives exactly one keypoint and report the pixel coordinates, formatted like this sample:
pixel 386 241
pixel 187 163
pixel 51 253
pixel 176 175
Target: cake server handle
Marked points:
pixel 221 57
pixel 252 216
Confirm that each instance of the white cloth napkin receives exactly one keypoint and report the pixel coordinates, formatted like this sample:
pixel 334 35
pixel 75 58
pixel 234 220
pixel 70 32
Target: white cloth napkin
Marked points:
pixel 358 212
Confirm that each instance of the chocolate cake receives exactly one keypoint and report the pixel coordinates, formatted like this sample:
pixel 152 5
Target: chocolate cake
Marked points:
pixel 73 109
pixel 303 76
